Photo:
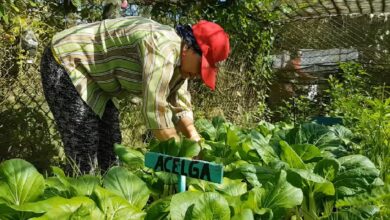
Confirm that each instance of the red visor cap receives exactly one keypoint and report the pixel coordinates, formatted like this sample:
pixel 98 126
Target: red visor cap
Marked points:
pixel 215 47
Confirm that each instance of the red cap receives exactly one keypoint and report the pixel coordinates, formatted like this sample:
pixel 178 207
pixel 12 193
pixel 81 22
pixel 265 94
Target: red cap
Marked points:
pixel 214 44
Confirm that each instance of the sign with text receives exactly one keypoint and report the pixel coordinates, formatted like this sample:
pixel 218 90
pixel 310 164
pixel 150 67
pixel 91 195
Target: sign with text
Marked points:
pixel 198 169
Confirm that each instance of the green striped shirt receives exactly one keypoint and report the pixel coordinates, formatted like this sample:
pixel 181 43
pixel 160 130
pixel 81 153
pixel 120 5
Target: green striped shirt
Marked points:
pixel 126 56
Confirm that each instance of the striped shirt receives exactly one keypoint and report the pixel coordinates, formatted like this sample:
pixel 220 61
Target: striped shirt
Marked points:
pixel 114 58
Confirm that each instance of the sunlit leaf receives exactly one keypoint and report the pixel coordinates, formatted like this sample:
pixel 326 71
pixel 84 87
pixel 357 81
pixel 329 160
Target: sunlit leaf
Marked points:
pixel 115 207
pixel 206 129
pixel 277 195
pixel 20 182
pixel 84 185
pixel 356 175
pixel 209 205
pixel 61 208
pixel 290 156
pixel 181 202
pixel 128 185
pixel 306 151
pixel 159 210
pixel 131 157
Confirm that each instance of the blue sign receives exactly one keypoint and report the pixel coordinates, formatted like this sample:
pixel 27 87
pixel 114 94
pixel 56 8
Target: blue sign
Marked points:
pixel 198 169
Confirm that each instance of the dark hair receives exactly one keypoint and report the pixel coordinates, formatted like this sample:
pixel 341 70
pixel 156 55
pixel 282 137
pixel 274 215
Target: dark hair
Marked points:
pixel 185 32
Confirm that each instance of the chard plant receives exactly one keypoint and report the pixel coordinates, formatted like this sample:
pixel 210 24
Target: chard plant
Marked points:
pixel 365 110
pixel 271 171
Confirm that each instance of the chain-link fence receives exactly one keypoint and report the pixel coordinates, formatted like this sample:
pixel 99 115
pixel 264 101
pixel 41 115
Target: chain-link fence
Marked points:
pixel 26 126
pixel 366 38
pixel 308 50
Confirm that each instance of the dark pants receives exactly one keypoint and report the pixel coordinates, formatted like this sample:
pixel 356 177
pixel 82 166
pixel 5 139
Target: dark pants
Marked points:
pixel 88 140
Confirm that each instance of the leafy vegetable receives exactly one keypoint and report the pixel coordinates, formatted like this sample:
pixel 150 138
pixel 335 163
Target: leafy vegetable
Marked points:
pixel 356 175
pixel 181 202
pixel 20 182
pixel 127 185
pixel 114 206
pixel 131 157
pixel 271 172
pixel 209 205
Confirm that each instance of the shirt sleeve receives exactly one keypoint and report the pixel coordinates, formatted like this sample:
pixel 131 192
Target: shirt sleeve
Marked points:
pixel 180 102
pixel 159 56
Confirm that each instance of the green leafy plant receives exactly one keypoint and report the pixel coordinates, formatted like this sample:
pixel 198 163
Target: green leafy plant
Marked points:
pixel 25 194
pixel 365 110
pixel 272 171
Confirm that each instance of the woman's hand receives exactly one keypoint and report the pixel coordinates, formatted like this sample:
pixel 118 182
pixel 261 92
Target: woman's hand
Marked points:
pixel 165 134
pixel 195 136
pixel 186 126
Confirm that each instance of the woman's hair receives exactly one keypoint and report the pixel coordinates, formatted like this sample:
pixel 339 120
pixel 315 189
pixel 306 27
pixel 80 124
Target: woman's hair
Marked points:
pixel 185 32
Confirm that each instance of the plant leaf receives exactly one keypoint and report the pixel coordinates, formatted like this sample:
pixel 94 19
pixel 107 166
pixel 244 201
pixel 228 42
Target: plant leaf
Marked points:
pixel 33 4
pixel 318 135
pixel 305 179
pixel 84 185
pixel 189 148
pixel 327 168
pixel 128 185
pixel 221 128
pixel 290 156
pixel 307 133
pixel 54 187
pixel 356 213
pixel 168 147
pixel 265 128
pixel 14 7
pixel 218 121
pixel 58 185
pixel 7 213
pixel 76 3
pixel 262 147
pixel 279 195
pixel 61 208
pixel 206 129
pixel 167 178
pixel 2 12
pixel 254 174
pixel 232 187
pixel 59 173
pixel 114 206
pixel 234 137
pixel 181 202
pixel 306 151
pixel 245 214
pixel 210 205
pixel 131 157
pixel 356 175
pixel 376 196
pixel 6 19
pixel 159 210
pixel 20 182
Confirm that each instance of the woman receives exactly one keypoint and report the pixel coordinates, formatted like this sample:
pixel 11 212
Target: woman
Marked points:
pixel 89 66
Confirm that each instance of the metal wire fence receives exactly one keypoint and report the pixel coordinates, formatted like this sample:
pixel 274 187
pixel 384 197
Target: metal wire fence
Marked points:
pixel 308 50
pixel 368 35
pixel 26 126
